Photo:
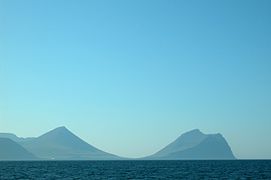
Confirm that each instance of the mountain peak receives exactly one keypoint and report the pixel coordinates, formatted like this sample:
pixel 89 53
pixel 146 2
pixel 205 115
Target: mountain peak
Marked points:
pixel 59 132
pixel 194 131
pixel 61 128
pixel 196 145
pixel 192 134
pixel 61 143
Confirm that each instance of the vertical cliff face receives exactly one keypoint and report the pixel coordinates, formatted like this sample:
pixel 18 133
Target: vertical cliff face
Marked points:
pixel 196 145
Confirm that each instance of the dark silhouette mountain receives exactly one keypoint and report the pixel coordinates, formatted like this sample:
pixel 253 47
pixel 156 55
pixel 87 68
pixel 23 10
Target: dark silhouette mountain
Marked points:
pixel 196 145
pixel 10 150
pixel 61 144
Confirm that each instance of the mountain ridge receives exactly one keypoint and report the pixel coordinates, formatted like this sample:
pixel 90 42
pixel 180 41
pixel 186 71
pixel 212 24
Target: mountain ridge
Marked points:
pixel 14 137
pixel 61 144
pixel 195 145
pixel 11 151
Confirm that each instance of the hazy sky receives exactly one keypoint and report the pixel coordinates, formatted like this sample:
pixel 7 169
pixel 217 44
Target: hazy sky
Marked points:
pixel 131 76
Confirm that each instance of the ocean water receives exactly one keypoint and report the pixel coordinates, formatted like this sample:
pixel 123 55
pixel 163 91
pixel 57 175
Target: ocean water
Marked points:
pixel 238 169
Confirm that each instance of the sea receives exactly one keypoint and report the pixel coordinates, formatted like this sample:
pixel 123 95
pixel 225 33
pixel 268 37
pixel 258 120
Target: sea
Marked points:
pixel 235 169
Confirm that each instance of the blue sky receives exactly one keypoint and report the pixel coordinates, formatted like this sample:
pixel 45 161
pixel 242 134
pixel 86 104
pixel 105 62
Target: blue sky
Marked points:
pixel 131 76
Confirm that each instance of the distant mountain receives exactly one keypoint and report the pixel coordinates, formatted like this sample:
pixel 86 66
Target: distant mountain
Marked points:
pixel 10 150
pixel 61 144
pixel 13 137
pixel 195 145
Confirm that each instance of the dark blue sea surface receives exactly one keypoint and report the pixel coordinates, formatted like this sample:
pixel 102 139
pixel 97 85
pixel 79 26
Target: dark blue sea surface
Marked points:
pixel 237 169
